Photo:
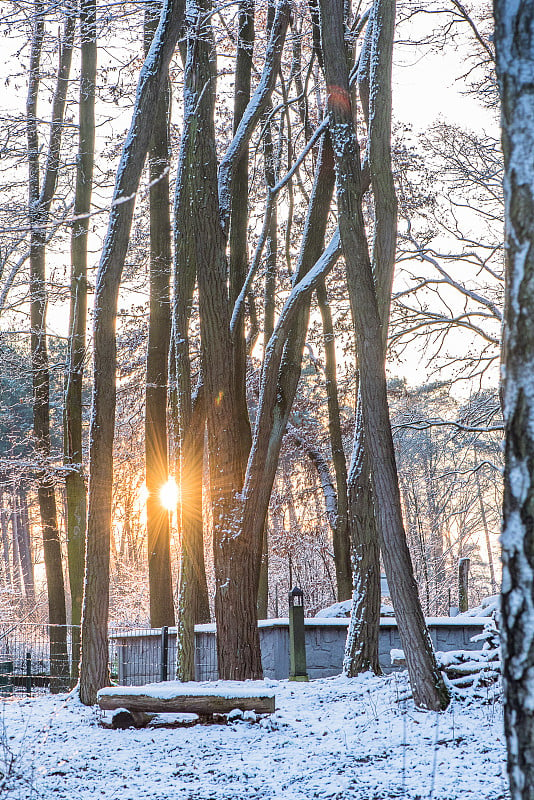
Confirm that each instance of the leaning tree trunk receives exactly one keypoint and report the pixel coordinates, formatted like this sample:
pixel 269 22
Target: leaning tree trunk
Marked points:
pixel 159 328
pixel 72 423
pixel 94 671
pixel 514 44
pixel 283 355
pixel 40 200
pixel 340 530
pixel 427 683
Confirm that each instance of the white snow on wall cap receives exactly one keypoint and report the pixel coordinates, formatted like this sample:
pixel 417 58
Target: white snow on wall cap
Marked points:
pixel 169 689
pixel 335 610
pixel 485 609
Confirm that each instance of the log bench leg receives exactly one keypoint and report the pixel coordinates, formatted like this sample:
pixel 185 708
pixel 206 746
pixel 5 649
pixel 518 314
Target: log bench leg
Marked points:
pixel 123 719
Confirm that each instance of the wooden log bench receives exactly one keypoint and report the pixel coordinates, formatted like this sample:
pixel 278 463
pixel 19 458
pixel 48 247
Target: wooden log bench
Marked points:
pixel 172 697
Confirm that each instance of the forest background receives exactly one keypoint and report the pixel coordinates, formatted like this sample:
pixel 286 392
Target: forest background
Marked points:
pixel 445 313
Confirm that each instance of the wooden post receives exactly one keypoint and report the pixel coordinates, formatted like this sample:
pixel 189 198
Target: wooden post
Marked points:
pixel 164 653
pixel 463 584
pixel 297 642
pixel 28 673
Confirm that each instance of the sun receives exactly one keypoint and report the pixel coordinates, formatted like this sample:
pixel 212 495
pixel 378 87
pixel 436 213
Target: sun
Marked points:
pixel 168 494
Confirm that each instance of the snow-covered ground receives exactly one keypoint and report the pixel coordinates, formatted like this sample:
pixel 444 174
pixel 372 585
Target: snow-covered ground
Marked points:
pixel 358 739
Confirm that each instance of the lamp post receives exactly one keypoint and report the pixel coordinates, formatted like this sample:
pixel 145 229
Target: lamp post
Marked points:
pixel 297 641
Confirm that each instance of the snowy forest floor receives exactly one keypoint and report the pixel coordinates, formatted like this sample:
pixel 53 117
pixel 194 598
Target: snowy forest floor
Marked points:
pixel 358 739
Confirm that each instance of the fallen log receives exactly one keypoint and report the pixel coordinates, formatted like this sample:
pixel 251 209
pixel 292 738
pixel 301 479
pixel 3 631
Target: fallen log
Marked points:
pixel 189 698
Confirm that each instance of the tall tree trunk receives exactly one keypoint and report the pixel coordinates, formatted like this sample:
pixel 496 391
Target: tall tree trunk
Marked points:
pixel 94 662
pixel 23 536
pixel 237 549
pixel 4 524
pixel 487 535
pixel 39 203
pixel 159 327
pixel 269 310
pixel 238 256
pixel 514 24
pixel 75 484
pixel 427 683
pixel 341 538
pixel 235 599
pixel 361 650
pixel 193 601
pixel 188 412
pixel 15 557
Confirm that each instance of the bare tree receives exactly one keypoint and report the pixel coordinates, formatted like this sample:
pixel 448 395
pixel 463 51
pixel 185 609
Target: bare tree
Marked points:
pixel 427 683
pixel 41 193
pixel 94 662
pixel 75 483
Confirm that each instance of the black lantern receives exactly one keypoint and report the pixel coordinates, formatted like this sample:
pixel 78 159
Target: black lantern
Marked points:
pixel 296 597
pixel 297 639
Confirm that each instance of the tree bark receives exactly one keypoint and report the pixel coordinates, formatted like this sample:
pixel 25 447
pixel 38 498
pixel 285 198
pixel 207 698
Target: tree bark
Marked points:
pixel 94 662
pixel 193 601
pixel 4 525
pixel 189 414
pixel 75 484
pixel 159 329
pixel 23 537
pixel 238 650
pixel 361 650
pixel 39 202
pixel 514 25
pixel 427 684
pixel 340 531
pixel 238 256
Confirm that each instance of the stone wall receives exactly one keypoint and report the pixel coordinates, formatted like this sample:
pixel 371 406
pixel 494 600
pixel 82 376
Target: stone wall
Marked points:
pixel 139 653
pixel 325 644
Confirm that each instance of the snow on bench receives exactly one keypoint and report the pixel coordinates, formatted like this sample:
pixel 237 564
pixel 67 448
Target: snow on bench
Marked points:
pixel 215 697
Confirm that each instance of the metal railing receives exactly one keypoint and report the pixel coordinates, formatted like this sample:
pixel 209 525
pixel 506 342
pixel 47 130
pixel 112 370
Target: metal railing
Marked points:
pixel 35 657
pixel 38 658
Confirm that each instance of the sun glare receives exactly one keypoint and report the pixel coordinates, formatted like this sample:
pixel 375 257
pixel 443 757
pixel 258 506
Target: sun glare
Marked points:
pixel 168 494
